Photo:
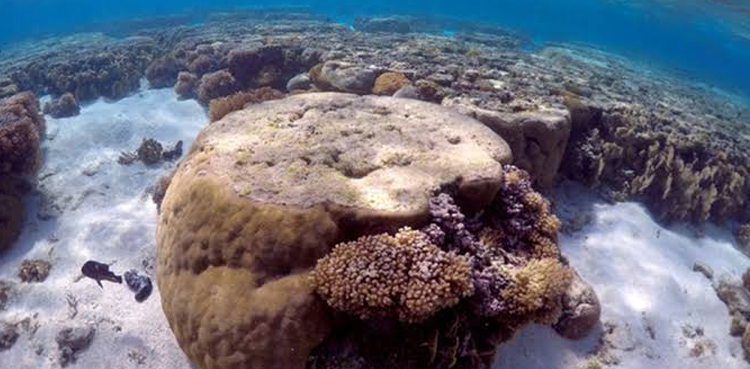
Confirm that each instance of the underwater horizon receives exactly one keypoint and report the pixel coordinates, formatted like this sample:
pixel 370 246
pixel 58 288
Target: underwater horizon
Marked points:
pixel 701 40
pixel 504 184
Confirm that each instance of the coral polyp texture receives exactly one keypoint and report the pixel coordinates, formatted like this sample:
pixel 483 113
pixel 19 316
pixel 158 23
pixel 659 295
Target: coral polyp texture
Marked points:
pixel 269 190
pixel 404 276
pixel 21 131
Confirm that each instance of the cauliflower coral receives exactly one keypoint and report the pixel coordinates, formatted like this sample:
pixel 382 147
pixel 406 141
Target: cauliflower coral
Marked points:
pixel 404 276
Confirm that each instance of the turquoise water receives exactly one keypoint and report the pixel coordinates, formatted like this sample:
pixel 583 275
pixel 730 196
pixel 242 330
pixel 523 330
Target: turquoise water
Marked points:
pixel 705 40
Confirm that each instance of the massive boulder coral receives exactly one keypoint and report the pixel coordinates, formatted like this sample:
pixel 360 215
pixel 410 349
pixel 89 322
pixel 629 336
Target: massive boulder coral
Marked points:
pixel 268 191
pixel 538 138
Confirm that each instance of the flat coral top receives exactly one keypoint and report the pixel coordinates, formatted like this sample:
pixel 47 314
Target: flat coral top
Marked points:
pixel 377 153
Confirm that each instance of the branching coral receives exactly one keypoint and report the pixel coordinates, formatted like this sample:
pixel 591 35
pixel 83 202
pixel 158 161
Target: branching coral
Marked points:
pixel 403 276
pixel 535 290
pixel 637 153
pixel 222 106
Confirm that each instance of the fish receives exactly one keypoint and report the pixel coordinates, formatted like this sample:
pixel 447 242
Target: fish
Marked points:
pixel 99 272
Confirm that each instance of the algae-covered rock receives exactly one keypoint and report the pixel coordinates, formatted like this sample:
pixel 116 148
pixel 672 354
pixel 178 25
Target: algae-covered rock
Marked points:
pixel 267 191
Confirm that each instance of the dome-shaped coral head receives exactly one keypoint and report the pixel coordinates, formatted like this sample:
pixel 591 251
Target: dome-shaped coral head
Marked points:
pixel 403 276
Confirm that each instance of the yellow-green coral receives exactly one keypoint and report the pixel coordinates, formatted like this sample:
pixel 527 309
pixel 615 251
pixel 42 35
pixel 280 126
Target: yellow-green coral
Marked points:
pixel 403 276
pixel 536 289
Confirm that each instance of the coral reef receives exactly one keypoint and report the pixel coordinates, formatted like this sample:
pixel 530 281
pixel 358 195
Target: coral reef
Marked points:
pixel 216 84
pixel 222 106
pixel 8 335
pixel 11 213
pixel 186 85
pixel 65 106
pixel 742 236
pixel 268 214
pixel 21 130
pixel 404 276
pixel 514 266
pixel 34 270
pixel 389 82
pixel 162 72
pixel 112 70
pixel 343 77
pixel 680 177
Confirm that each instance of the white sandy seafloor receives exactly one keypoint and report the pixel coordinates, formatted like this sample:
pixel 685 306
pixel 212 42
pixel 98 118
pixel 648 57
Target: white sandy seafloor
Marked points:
pixel 641 270
pixel 107 216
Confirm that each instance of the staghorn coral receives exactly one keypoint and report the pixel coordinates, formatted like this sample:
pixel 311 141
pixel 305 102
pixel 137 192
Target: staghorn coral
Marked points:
pixel 222 106
pixel 403 276
pixel 389 82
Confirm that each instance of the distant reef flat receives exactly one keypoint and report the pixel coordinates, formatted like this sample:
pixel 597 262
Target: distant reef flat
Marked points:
pixel 566 110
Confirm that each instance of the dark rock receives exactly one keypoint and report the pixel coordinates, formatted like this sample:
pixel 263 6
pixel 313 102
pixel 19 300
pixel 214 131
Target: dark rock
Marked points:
pixel 345 77
pixel 11 214
pixel 581 310
pixel 704 269
pixel 407 92
pixel 6 288
pixel 8 335
pixel 161 189
pixel 65 106
pixel 739 324
pixel 299 82
pixel 73 341
pixel 150 151
pixel 162 72
pixel 735 296
pixel 140 284
pixel 34 270
pixel 173 153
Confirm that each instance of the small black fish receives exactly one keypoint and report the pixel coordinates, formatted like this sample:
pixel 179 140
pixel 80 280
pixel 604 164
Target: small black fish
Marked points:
pixel 98 272
pixel 140 284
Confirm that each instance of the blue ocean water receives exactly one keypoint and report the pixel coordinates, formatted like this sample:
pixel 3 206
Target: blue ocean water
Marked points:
pixel 706 40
